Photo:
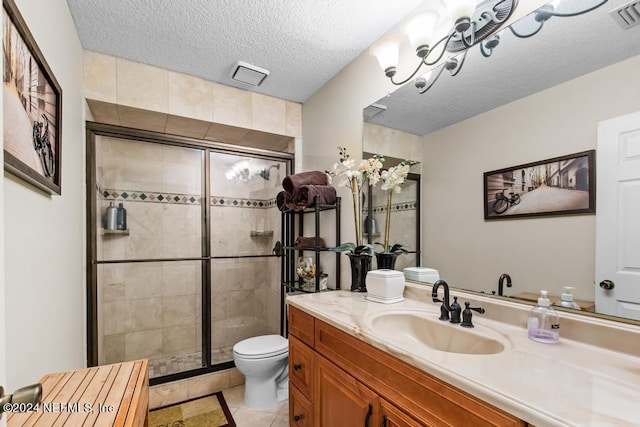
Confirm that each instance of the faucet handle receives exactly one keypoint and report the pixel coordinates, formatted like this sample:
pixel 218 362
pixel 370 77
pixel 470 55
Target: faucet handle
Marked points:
pixel 467 314
pixel 455 311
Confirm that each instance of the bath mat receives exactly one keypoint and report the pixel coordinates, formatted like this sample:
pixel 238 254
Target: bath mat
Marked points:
pixel 207 411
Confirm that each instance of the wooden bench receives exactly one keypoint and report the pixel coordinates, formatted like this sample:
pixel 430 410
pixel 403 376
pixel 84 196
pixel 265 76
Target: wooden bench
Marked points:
pixel 108 395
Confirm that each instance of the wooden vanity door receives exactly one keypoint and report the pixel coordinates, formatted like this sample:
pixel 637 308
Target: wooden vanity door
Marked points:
pixel 393 417
pixel 340 400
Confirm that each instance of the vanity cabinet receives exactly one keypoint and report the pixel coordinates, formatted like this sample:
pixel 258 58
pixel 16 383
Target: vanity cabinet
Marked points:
pixel 393 417
pixel 355 384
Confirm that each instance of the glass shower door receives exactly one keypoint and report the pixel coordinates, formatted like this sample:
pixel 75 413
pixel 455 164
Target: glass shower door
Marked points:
pixel 245 224
pixel 149 274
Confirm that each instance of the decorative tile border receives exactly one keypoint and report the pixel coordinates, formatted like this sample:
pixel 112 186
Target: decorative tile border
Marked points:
pixel 218 201
pixel 396 207
pixel 149 196
pixel 181 199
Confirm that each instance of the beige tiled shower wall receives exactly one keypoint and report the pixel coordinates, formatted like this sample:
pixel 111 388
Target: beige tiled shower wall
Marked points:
pixel 150 310
pixel 392 142
pixel 245 302
pixel 245 292
pixel 121 82
pixel 136 174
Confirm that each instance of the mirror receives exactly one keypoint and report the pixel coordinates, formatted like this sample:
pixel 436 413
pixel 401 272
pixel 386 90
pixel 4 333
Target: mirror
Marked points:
pixel 532 99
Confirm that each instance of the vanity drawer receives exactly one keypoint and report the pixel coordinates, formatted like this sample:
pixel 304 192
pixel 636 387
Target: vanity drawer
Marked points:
pixel 300 409
pixel 301 325
pixel 301 366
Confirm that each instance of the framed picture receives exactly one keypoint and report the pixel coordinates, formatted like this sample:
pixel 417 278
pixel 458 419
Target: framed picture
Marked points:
pixel 559 186
pixel 32 107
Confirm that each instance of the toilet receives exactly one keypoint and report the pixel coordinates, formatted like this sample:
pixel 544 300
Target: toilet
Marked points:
pixel 264 362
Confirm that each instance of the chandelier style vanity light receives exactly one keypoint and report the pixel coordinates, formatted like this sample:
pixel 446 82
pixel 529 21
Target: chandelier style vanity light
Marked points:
pixel 453 28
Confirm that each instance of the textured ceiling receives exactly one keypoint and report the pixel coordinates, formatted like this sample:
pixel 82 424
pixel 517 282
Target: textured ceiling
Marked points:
pixel 566 48
pixel 303 43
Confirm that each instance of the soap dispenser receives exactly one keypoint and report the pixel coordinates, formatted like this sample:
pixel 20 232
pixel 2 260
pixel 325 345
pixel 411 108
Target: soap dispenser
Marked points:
pixel 543 323
pixel 566 299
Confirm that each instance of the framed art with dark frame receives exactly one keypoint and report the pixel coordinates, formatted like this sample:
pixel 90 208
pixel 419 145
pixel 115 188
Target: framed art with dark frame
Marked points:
pixel 558 186
pixel 32 112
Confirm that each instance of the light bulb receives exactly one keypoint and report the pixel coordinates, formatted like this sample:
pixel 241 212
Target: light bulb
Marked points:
pixel 426 76
pixel 422 31
pixel 461 9
pixel 387 53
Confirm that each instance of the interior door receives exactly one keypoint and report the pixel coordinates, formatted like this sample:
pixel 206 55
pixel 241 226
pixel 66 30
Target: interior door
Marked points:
pixel 618 217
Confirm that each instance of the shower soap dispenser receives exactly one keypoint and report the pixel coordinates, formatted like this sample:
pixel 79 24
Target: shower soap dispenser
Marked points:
pixel 543 324
pixel 121 218
pixel 111 217
pixel 566 299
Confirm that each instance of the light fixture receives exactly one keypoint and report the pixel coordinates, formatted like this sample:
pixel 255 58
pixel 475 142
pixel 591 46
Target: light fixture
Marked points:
pixel 544 13
pixel 467 23
pixel 244 171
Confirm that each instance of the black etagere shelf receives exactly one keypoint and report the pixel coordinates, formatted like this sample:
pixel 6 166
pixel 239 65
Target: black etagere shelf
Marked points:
pixel 292 226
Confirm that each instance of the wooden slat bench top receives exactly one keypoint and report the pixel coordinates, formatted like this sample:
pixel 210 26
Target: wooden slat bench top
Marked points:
pixel 107 395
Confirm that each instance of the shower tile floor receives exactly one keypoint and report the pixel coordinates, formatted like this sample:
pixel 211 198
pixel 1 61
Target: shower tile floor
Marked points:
pixel 186 362
pixel 174 364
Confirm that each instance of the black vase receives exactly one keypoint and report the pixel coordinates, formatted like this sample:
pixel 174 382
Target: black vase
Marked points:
pixel 360 265
pixel 386 261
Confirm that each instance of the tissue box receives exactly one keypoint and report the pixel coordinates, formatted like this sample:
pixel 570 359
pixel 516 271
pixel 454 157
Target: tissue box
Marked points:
pixel 421 274
pixel 385 286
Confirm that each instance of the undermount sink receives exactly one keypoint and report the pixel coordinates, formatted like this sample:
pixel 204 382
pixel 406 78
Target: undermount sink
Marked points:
pixel 423 328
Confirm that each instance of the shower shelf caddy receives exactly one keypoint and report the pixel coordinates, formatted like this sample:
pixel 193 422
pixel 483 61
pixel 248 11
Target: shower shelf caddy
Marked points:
pixel 292 227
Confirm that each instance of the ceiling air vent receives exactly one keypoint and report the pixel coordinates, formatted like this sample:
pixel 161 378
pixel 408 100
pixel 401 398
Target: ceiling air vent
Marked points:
pixel 248 74
pixel 628 15
pixel 373 109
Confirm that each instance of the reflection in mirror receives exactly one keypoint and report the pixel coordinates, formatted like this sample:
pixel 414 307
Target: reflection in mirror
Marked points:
pixel 404 218
pixel 531 99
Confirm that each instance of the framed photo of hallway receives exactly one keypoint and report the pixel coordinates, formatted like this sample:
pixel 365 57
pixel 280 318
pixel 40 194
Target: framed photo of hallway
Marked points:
pixel 32 107
pixel 558 186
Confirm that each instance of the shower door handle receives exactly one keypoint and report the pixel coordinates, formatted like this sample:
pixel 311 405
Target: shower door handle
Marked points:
pixel 278 249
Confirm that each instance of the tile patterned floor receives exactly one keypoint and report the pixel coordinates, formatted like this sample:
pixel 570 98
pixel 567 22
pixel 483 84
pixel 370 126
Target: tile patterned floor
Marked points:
pixel 278 416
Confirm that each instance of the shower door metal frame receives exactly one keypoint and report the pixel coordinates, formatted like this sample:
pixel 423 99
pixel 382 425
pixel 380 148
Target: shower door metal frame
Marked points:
pixel 94 129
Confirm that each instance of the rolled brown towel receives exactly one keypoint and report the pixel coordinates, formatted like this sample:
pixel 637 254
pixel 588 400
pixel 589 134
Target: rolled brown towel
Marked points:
pixel 309 242
pixel 306 194
pixel 285 202
pixel 281 200
pixel 292 183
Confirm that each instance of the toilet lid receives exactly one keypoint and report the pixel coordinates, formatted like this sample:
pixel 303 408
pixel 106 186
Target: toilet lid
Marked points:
pixel 262 346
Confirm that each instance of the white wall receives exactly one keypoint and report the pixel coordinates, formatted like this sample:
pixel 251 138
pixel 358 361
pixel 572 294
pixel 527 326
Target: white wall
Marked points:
pixel 44 235
pixel 539 253
pixel 3 345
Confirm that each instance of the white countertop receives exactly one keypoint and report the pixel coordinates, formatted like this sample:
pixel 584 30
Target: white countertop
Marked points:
pixel 568 383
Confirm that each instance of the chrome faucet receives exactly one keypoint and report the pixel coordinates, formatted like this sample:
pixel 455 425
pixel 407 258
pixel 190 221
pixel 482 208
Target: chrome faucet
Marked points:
pixel 445 308
pixel 501 280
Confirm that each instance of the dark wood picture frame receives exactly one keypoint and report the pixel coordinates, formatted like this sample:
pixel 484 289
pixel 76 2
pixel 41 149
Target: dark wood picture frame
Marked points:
pixel 32 113
pixel 559 186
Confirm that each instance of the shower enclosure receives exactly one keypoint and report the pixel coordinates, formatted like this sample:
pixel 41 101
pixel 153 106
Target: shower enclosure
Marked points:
pixel 193 272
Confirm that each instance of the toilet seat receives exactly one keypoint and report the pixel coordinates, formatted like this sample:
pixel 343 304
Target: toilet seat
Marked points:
pixel 261 347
